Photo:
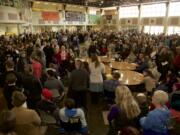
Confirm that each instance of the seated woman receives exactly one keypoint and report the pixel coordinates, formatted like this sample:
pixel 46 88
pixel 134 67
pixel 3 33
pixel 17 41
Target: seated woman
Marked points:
pixel 72 119
pixel 125 112
pixel 7 123
pixel 27 120
pixel 157 120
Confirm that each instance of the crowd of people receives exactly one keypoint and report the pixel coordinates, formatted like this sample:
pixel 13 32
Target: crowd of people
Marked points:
pixel 34 69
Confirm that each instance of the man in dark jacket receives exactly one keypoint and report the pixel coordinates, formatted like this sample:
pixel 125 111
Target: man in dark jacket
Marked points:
pixel 78 84
pixel 9 66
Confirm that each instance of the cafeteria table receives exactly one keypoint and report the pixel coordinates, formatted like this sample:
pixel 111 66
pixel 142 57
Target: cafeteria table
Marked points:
pixel 123 65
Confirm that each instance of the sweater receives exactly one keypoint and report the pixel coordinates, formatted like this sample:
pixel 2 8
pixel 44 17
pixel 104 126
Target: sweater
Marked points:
pixel 156 122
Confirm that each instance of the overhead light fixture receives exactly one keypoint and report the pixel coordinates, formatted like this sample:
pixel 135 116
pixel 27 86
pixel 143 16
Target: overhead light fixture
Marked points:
pixel 102 2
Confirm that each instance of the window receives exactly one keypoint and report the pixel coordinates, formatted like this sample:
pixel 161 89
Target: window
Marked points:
pixel 173 30
pixel 92 11
pixel 127 12
pixel 155 10
pixel 174 9
pixel 153 29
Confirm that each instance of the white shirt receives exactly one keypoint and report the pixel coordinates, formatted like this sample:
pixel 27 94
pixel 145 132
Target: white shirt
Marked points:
pixel 96 73
pixel 79 113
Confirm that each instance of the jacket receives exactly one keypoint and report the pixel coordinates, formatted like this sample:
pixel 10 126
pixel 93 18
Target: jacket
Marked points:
pixel 156 122
pixel 27 121
pixel 79 80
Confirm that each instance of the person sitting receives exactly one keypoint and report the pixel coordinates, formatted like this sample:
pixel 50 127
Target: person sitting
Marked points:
pixel 156 121
pixel 149 81
pixel 46 104
pixel 142 101
pixel 110 86
pixel 142 64
pixel 53 83
pixel 27 120
pixel 125 112
pixel 7 123
pixel 72 119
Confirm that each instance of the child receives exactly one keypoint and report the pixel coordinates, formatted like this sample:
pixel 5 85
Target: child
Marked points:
pixel 150 82
pixel 142 101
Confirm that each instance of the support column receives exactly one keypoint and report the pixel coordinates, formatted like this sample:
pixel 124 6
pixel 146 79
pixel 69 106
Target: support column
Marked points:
pixel 118 19
pixel 139 18
pixel 166 18
pixel 87 19
pixel 63 17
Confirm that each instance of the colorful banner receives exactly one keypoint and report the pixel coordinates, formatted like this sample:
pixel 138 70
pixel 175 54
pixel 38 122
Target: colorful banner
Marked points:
pixel 75 16
pixel 50 16
pixel 94 19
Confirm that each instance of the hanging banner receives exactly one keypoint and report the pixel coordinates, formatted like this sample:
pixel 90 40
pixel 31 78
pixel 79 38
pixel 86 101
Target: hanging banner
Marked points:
pixel 75 16
pixel 50 16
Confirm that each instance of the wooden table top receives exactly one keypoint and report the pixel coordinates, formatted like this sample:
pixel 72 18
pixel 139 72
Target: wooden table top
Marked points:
pixel 106 59
pixel 129 77
pixel 123 65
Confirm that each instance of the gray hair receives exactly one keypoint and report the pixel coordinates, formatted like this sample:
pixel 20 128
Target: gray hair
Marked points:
pixel 160 97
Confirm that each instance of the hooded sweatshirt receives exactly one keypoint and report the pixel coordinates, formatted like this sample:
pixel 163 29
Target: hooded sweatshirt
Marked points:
pixel 156 122
pixel 65 114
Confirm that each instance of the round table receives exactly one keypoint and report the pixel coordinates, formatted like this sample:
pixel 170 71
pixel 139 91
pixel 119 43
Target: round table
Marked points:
pixel 106 59
pixel 129 77
pixel 123 65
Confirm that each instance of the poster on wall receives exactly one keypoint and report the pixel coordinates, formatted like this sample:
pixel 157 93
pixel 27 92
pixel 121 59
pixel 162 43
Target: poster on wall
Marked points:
pixel 50 16
pixel 94 19
pixel 75 16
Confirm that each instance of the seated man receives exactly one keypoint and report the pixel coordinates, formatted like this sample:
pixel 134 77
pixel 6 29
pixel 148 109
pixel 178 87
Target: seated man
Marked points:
pixel 110 86
pixel 72 119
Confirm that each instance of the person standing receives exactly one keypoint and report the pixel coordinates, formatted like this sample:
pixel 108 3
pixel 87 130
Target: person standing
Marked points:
pixel 97 69
pixel 78 84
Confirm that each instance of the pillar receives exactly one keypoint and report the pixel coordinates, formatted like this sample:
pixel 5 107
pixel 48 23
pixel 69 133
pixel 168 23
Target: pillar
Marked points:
pixel 118 20
pixel 139 18
pixel 166 18
pixel 63 17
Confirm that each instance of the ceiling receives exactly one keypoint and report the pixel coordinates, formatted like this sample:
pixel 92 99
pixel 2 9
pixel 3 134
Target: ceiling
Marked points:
pixel 102 3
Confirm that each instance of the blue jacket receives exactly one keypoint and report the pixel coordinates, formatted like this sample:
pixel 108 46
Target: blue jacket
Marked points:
pixel 156 122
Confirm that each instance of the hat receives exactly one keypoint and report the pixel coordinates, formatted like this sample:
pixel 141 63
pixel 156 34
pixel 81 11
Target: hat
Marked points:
pixel 47 94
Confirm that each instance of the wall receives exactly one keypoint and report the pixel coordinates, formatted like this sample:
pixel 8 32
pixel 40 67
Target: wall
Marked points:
pixel 10 15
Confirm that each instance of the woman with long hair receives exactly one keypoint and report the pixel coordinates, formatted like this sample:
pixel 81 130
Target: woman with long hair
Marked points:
pixel 125 112
pixel 97 69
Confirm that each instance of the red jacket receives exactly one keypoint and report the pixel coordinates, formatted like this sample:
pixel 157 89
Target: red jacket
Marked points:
pixel 176 61
pixel 58 59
